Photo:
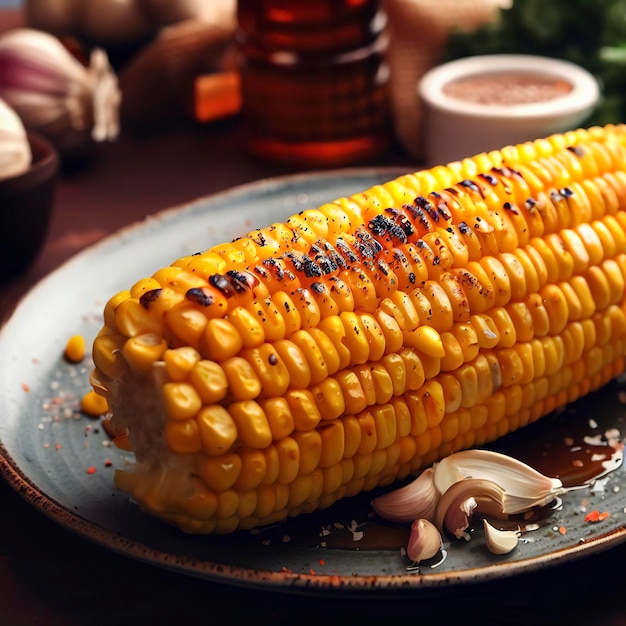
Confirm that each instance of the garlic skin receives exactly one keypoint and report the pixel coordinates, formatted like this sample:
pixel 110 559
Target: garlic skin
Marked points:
pixel 418 499
pixel 500 541
pixel 424 541
pixel 53 93
pixel 15 153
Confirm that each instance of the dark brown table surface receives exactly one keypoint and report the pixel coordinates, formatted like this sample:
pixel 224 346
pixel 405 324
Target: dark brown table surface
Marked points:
pixel 50 576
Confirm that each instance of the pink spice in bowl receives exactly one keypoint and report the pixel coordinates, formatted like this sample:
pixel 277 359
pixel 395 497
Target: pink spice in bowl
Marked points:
pixel 483 103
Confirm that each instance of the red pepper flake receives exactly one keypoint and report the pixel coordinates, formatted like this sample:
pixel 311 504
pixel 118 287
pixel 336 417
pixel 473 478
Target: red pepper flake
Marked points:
pixel 595 516
pixel 108 462
pixel 25 387
pixel 312 572
pixel 91 470
pixel 322 562
pixel 58 446
pixel 562 530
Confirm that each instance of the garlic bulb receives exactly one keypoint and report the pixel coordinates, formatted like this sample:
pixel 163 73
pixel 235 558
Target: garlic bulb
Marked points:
pixel 53 93
pixel 15 152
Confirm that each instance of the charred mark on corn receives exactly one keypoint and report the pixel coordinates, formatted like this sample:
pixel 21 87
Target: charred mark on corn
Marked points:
pixel 423 211
pixel 489 178
pixel 148 297
pixel 470 184
pixel 382 227
pixel 202 296
pixel 577 150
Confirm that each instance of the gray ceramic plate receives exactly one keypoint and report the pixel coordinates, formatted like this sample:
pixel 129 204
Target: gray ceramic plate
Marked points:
pixel 47 447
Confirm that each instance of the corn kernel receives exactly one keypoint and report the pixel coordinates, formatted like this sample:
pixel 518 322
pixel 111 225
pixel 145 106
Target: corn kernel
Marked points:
pixel 269 368
pixel 220 472
pixel 131 318
pixel 295 362
pixel 75 349
pixel 279 417
pixel 93 404
pixel 425 339
pixel 179 362
pixel 309 445
pixel 253 468
pixel 332 435
pixel 304 409
pixel 288 459
pixel 352 434
pixel 252 426
pixel 248 327
pixel 369 436
pixel 183 436
pixel 329 399
pixel 385 420
pixel 355 337
pixel 142 351
pixel 217 429
pixel 181 400
pixel 107 354
pixel 221 340
pixel 313 355
pixel 243 382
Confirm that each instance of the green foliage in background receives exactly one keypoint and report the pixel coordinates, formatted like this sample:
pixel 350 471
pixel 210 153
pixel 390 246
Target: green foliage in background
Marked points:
pixel 591 33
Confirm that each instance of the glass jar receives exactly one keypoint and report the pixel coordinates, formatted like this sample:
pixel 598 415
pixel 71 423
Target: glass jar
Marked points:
pixel 314 80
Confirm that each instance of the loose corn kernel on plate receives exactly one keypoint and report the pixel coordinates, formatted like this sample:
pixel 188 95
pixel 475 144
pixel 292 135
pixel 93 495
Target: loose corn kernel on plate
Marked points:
pixel 63 461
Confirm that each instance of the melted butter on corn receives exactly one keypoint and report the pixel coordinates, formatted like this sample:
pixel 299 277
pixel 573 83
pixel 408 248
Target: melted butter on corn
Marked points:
pixel 359 342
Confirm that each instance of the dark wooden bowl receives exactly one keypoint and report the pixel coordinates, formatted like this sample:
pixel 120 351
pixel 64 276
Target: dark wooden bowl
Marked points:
pixel 26 203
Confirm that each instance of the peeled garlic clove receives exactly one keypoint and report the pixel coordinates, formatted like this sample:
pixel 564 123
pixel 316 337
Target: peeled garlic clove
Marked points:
pixel 424 541
pixel 415 500
pixel 15 152
pixel 524 487
pixel 457 504
pixel 500 541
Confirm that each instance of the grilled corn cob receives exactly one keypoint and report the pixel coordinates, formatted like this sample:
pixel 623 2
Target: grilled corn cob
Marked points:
pixel 358 342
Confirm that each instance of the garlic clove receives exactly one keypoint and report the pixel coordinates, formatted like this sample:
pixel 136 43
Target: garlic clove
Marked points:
pixel 458 516
pixel 15 152
pixel 460 500
pixel 523 486
pixel 500 541
pixel 424 541
pixel 415 500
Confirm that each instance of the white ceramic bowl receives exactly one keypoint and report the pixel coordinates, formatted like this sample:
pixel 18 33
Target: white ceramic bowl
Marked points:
pixel 456 128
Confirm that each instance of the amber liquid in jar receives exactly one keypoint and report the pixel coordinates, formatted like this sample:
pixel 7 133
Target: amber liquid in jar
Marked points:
pixel 314 80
